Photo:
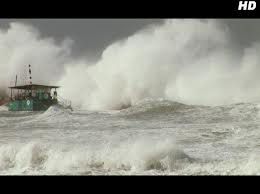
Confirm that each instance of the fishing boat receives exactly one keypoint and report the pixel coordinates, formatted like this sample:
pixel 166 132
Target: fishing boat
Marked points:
pixel 34 97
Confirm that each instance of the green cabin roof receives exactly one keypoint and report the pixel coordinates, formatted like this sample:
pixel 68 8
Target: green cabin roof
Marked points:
pixel 33 87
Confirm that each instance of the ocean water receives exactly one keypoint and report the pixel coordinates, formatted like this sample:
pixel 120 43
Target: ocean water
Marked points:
pixel 153 137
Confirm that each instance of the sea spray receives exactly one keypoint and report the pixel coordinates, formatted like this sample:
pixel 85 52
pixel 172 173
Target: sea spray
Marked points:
pixel 188 61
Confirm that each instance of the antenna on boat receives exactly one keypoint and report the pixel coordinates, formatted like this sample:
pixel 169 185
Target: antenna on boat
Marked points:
pixel 15 85
pixel 15 80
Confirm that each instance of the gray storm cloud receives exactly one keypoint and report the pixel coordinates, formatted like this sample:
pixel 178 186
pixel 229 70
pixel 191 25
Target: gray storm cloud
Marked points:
pixel 189 61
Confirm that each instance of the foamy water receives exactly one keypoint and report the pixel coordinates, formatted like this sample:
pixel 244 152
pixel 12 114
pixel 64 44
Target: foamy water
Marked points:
pixel 152 137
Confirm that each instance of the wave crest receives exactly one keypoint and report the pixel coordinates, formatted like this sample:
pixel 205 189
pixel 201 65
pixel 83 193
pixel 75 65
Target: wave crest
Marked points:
pixel 42 158
pixel 160 106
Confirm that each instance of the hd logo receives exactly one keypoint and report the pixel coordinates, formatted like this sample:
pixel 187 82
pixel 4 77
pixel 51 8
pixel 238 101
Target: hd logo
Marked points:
pixel 246 5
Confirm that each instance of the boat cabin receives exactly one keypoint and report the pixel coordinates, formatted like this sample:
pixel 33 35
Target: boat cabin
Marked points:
pixel 32 97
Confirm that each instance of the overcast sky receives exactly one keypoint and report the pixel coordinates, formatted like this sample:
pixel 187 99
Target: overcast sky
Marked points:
pixel 93 35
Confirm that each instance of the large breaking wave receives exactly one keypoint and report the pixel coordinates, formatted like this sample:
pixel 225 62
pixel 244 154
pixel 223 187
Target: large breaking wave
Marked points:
pixel 188 61
pixel 131 157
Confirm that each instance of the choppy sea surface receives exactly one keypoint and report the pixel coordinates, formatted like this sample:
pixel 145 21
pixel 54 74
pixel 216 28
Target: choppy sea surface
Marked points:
pixel 152 137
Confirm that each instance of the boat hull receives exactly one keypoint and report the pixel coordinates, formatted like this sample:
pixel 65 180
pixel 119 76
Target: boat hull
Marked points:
pixel 30 105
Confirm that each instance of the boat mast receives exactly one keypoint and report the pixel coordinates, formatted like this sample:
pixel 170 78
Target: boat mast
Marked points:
pixel 15 80
pixel 30 77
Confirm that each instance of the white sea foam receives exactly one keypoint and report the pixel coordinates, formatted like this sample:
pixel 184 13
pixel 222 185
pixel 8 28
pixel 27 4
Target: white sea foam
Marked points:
pixel 54 159
pixel 189 140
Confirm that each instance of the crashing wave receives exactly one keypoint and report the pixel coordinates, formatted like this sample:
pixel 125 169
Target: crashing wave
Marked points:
pixel 129 157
